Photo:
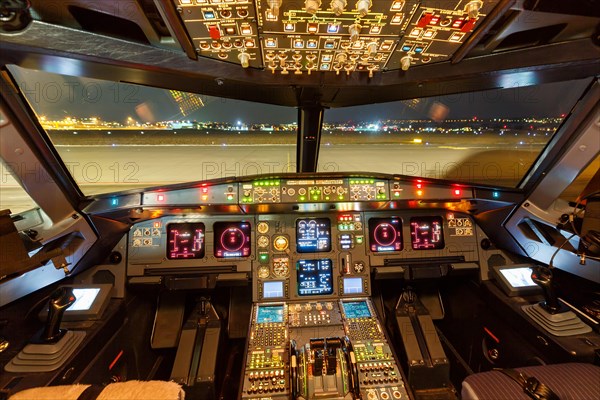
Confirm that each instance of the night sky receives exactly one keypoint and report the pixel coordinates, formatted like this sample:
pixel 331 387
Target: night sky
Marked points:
pixel 58 96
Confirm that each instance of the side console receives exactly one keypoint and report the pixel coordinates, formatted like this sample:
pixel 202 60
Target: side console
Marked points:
pixel 320 349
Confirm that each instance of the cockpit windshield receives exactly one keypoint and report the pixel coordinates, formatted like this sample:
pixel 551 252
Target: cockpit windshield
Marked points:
pixel 116 136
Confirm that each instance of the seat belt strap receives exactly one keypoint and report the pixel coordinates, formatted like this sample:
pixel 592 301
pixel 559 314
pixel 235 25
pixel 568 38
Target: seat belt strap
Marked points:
pixel 530 385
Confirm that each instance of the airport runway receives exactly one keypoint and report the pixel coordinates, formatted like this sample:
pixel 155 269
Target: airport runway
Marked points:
pixel 102 169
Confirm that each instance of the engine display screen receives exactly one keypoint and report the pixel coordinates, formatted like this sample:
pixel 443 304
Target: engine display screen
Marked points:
pixel 185 240
pixel 84 299
pixel 356 309
pixel 313 235
pixel 268 314
pixel 427 233
pixel 518 277
pixel 385 234
pixel 314 277
pixel 232 239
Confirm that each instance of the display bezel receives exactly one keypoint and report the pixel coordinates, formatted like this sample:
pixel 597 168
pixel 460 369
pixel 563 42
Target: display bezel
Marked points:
pixel 508 287
pixel 353 279
pixel 219 229
pixel 317 262
pixel 264 306
pixel 318 220
pixel 264 291
pixel 440 245
pixel 375 222
pixel 169 229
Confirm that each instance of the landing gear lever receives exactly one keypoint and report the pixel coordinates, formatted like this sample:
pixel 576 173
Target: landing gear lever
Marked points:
pixel 543 277
pixel 60 300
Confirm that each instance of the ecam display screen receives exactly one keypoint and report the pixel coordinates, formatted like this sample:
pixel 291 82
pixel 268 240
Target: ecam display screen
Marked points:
pixel 185 240
pixel 267 314
pixel 356 309
pixel 232 239
pixel 314 277
pixel 385 234
pixel 313 235
pixel 427 233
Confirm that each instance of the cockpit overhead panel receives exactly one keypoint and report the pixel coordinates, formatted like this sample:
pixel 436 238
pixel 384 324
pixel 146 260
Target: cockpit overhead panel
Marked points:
pixel 338 36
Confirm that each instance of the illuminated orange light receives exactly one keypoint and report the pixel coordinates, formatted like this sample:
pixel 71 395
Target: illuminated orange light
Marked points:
pixel 419 193
pixel 204 197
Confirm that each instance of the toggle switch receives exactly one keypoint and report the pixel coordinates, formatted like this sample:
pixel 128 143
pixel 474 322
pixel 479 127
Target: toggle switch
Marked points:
pixel 312 6
pixel 363 7
pixel 338 6
pixel 244 59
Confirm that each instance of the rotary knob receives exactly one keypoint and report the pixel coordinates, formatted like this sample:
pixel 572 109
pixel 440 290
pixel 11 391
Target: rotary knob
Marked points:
pixel 338 6
pixel 363 6
pixel 354 31
pixel 371 49
pixel 274 6
pixel 312 6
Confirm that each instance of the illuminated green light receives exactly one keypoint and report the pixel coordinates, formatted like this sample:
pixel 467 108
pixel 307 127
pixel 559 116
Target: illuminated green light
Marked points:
pixel 340 197
pixel 229 197
pixel 302 198
pixel 326 197
pixel 397 194
pixel 315 197
pixel 359 239
pixel 264 258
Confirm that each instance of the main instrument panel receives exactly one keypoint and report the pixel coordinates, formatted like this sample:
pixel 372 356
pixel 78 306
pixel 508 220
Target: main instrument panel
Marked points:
pixel 299 256
pixel 338 36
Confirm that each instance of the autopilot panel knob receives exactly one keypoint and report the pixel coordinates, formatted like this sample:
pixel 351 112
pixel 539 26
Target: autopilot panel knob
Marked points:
pixel 61 299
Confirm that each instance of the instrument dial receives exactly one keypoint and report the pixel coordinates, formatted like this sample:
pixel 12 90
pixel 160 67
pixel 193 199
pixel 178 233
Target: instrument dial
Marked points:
pixel 263 241
pixel 281 267
pixel 281 243
pixel 262 227
pixel 263 272
pixel 359 267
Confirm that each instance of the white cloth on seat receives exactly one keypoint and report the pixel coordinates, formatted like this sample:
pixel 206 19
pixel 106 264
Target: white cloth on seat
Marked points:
pixel 130 390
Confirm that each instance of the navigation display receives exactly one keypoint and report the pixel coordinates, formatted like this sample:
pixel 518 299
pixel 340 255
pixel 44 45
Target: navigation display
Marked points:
pixel 232 239
pixel 268 314
pixel 272 289
pixel 314 277
pixel 427 233
pixel 313 235
pixel 185 240
pixel 356 309
pixel 385 234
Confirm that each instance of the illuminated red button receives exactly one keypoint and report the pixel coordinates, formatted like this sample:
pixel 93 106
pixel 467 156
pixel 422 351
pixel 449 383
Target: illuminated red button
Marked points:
pixel 424 21
pixel 214 32
pixel 469 25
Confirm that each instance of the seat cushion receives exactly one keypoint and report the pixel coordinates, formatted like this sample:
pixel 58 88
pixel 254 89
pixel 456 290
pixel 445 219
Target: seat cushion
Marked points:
pixel 130 390
pixel 572 381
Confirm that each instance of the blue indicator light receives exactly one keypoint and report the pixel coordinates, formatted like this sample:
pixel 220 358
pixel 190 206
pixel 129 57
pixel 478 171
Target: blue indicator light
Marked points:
pixel 496 194
pixel 418 49
pixel 333 28
pixel 406 48
pixel 209 15
pixel 114 201
pixel 312 45
pixel 329 45
pixel 324 66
